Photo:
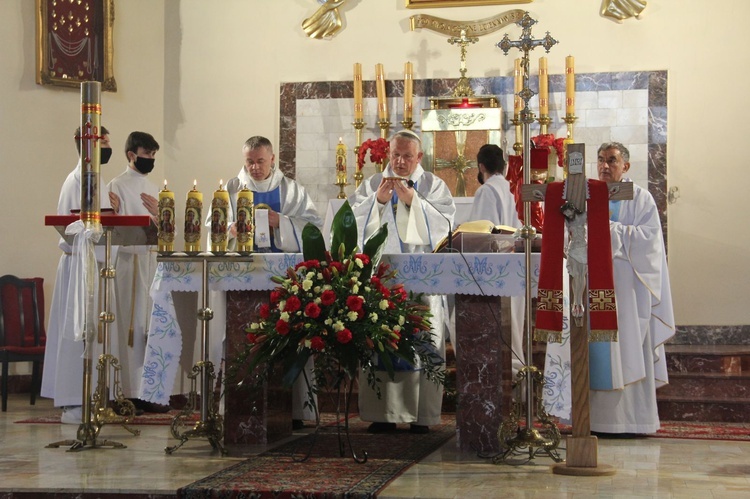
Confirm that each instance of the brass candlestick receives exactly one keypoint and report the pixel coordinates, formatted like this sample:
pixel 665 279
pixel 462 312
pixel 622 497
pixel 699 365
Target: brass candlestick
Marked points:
pixel 358 124
pixel 517 145
pixel 385 127
pixel 341 182
pixel 407 123
pixel 544 121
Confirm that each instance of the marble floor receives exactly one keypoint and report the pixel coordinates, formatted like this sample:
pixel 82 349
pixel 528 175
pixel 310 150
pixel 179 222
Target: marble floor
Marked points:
pixel 645 467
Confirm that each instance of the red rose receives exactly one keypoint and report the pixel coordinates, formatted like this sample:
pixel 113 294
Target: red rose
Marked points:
pixel 276 295
pixel 365 259
pixel 354 303
pixel 338 266
pixel 344 336
pixel 265 311
pixel 317 343
pixel 328 297
pixel 312 310
pixel 292 304
pixel 252 338
pixel 282 327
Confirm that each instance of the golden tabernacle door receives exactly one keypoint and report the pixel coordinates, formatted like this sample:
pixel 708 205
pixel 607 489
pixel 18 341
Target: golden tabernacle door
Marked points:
pixel 453 130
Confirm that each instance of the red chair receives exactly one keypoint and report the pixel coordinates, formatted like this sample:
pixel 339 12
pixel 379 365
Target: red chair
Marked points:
pixel 22 336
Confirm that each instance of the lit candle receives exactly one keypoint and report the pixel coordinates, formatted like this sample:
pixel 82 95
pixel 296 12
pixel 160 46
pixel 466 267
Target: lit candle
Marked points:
pixel 380 88
pixel 341 162
pixel 219 210
pixel 408 91
pixel 570 86
pixel 517 87
pixel 358 109
pixel 543 88
pixel 193 217
pixel 166 220
pixel 244 224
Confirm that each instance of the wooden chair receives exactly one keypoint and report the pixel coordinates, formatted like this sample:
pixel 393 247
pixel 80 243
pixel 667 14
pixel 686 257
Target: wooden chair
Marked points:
pixel 22 336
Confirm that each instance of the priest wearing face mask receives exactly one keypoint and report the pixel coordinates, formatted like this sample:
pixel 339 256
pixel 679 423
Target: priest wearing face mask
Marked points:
pixel 62 377
pixel 132 193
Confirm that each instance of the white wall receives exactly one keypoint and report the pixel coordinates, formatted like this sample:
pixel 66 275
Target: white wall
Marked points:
pixel 203 76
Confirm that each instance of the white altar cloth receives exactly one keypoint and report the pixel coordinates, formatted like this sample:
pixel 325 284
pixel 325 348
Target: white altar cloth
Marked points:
pixel 498 274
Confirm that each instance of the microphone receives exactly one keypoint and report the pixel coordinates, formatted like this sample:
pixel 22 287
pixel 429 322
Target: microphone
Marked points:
pixel 410 183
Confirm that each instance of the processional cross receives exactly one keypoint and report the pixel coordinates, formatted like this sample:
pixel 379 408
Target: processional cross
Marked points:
pixel 582 450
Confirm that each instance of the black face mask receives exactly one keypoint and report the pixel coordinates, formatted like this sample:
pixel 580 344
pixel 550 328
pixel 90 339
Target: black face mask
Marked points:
pixel 106 154
pixel 144 165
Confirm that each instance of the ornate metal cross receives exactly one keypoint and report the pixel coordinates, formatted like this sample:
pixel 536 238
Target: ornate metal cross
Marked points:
pixel 463 89
pixel 526 44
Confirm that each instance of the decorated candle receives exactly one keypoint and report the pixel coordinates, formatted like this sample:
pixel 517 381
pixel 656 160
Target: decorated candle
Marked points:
pixel 340 162
pixel 244 224
pixel 358 109
pixel 219 211
pixel 517 87
pixel 570 86
pixel 543 88
pixel 166 220
pixel 380 88
pixel 408 91
pixel 193 217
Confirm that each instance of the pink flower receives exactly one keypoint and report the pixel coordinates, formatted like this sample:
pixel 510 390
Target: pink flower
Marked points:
pixel 282 327
pixel 292 304
pixel 328 297
pixel 344 336
pixel 312 310
pixel 317 343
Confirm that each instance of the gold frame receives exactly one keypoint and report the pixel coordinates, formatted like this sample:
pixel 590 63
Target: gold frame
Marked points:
pixel 43 76
pixel 423 4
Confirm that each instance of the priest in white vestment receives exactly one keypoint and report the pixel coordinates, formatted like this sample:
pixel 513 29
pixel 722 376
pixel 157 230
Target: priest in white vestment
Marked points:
pixel 132 193
pixel 414 226
pixel 493 201
pixel 62 376
pixel 289 208
pixel 625 374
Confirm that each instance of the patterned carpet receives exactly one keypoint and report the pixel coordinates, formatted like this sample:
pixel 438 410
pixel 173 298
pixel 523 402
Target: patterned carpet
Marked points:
pixel 278 473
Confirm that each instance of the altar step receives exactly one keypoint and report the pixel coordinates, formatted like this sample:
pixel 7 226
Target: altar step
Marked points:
pixel 706 383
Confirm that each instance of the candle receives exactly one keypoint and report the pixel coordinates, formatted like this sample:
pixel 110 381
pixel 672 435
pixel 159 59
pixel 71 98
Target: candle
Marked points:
pixel 543 88
pixel 340 162
pixel 570 86
pixel 193 217
pixel 166 220
pixel 219 210
pixel 408 91
pixel 358 109
pixel 244 224
pixel 380 88
pixel 517 87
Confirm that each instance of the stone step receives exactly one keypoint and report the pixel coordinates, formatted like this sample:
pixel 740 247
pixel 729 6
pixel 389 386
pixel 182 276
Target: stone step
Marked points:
pixel 707 384
pixel 728 359
pixel 705 409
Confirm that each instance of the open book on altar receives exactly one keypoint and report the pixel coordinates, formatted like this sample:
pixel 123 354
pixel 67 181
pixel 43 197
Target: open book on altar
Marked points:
pixel 482 236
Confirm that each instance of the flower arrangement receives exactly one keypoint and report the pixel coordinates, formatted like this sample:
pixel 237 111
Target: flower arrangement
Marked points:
pixel 378 151
pixel 343 310
pixel 549 140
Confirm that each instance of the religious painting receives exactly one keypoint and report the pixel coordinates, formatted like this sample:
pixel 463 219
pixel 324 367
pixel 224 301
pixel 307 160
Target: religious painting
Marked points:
pixel 74 42
pixel 421 4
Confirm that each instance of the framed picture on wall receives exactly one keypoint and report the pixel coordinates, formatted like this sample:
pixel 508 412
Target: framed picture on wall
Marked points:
pixel 421 4
pixel 74 42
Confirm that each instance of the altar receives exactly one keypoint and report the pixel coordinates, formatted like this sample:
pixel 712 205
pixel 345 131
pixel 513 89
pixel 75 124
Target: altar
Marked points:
pixel 477 280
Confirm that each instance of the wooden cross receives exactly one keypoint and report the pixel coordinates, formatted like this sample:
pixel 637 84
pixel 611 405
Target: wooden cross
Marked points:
pixel 582 450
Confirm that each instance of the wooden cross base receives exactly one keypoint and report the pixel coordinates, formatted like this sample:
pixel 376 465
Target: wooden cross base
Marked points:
pixel 583 451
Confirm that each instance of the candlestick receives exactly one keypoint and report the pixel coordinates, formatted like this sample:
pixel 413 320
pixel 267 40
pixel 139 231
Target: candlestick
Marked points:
pixel 219 211
pixel 358 108
pixel 244 224
pixel 166 220
pixel 380 88
pixel 193 217
pixel 570 86
pixel 358 175
pixel 341 168
pixel 517 87
pixel 408 91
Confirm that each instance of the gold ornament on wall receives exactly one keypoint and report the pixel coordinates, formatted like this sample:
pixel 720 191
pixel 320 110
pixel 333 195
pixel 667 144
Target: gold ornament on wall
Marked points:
pixel 325 22
pixel 619 10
